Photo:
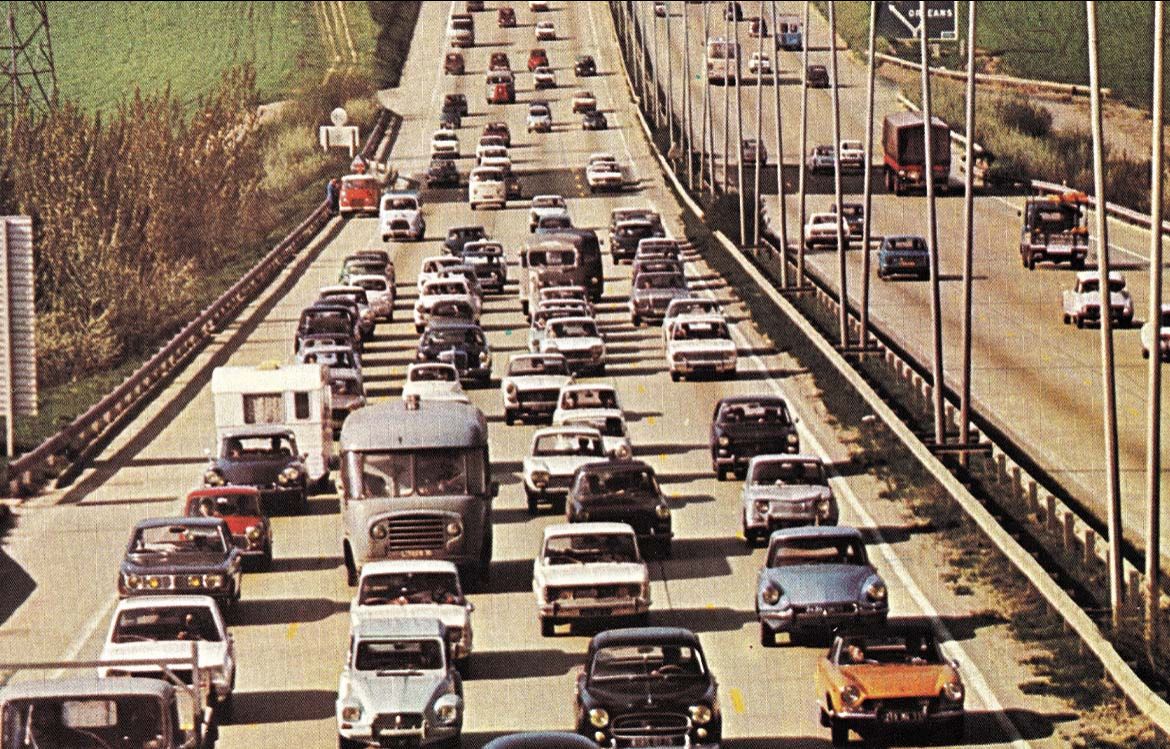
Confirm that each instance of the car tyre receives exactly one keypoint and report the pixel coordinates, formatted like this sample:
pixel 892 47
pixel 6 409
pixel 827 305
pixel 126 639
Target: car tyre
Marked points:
pixel 303 502
pixel 767 636
pixel 223 711
pixel 509 417
pixel 636 320
pixel 351 573
pixel 1145 354
pixel 533 503
pixel 1080 323
pixel 547 628
pixel 664 548
pixel 1067 319
pixel 675 376
pixel 266 560
pixel 839 732
pixel 344 743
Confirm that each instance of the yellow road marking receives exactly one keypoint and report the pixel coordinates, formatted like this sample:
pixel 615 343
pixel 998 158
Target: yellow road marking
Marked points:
pixel 737 700
pixel 292 630
pixel 650 420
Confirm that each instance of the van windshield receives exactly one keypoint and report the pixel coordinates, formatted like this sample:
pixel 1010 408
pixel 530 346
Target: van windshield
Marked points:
pixel 425 473
pixel 119 721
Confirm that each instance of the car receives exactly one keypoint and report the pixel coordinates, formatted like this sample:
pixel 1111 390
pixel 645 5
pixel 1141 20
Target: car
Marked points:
pixel 603 172
pixel 537 6
pixel 852 156
pixel 590 571
pixel 359 194
pixel 593 398
pixel 660 8
pixel 417 588
pixel 453 64
pixel 1155 335
pixel 353 298
pixel 348 394
pixel 656 265
pixel 473 6
pixel 546 205
pixel 486 186
pixel 658 248
pixel 490 267
pixel 442 289
pixel 168 556
pixel 458 236
pixel 903 255
pixel 677 696
pixel 544 77
pixel 782 491
pixel 506 17
pixel 627 234
pixel 624 491
pixel 460 343
pixel 594 120
pixel 553 224
pixel 1055 228
pixel 549 311
pixel 700 345
pixel 379 292
pixel 449 119
pixel 758 28
pixel 433 381
pixel 537 58
pixel 854 215
pixel 498 129
pixel 753 152
pixel 331 318
pixel 583 101
pixel 893 678
pixel 584 66
pixel 691 305
pixel 732 11
pixel 651 294
pixel 554 457
pixel 566 293
pixel 539 118
pixel 821 229
pixel 579 341
pixel 815 579
pixel 501 93
pixel 431 268
pixel 1082 303
pixel 144 628
pixel 457 102
pixel 546 31
pixel 263 456
pixel 541 740
pixel 743 426
pixel 816 76
pixel 445 142
pixel 425 709
pixel 337 357
pixel 760 64
pixel 441 172
pixel 822 159
pixel 619 215
pixel 241 508
pixel 531 386
pixel 400 216
pixel 499 61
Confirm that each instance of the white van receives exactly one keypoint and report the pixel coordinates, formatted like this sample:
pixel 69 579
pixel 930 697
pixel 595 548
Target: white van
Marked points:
pixel 486 186
pixel 294 395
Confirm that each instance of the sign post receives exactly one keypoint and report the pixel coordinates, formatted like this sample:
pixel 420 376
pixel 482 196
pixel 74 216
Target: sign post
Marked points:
pixel 902 19
pixel 339 134
pixel 18 373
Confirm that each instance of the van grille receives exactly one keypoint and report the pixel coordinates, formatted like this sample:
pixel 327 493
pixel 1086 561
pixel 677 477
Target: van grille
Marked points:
pixel 651 729
pixel 416 532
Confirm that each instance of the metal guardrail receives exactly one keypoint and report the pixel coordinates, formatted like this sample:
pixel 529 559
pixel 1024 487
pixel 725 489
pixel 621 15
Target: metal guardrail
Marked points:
pixel 32 470
pixel 1009 81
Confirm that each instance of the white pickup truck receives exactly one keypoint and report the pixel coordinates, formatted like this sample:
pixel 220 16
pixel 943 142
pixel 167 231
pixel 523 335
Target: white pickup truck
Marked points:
pixel 1082 303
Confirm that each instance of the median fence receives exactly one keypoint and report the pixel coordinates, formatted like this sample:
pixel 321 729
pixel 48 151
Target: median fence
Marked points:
pixel 68 450
pixel 1067 545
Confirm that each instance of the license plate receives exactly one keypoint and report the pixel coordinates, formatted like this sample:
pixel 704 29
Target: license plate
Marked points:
pixel 904 716
pixel 569 613
pixel 650 741
pixel 623 611
pixel 906 263
pixel 416 553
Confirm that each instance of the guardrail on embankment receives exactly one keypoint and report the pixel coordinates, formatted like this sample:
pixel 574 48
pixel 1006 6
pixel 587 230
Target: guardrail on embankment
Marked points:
pixel 1004 81
pixel 74 443
pixel 1048 516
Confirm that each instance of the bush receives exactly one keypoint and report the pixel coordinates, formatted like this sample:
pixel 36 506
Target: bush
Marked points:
pixel 1021 114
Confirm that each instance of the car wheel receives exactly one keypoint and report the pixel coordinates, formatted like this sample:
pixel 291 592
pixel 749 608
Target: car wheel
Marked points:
pixel 1145 354
pixel 533 503
pixel 675 376
pixel 1081 323
pixel 266 560
pixel 509 417
pixel 1067 319
pixel 418 329
pixel 223 711
pixel 303 502
pixel 547 628
pixel 1030 262
pixel 767 636
pixel 839 732
pixel 1078 263
pixel 664 549
pixel 952 732
pixel 636 320
pixel 351 573
pixel 344 743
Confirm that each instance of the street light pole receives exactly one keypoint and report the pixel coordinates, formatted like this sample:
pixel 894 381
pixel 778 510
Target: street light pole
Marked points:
pixel 968 240
pixel 759 131
pixel 688 115
pixel 867 187
pixel 803 146
pixel 727 99
pixel 739 141
pixel 669 81
pixel 940 434
pixel 780 192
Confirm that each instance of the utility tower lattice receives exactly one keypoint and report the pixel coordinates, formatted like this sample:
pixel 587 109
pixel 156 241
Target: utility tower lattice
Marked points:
pixel 26 57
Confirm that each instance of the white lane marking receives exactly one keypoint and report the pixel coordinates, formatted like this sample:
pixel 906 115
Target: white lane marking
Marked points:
pixel 608 85
pixel 90 628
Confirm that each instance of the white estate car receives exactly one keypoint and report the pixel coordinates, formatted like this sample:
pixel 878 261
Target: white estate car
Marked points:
pixel 379 292
pixel 532 384
pixel 584 101
pixel 603 173
pixel 852 156
pixel 444 142
pixel 486 186
pixel 589 570
pixel 555 455
pixel 700 344
pixel 426 588
pixel 546 205
pixel 539 118
pixel 1160 330
pixel 494 150
pixel 449 289
pixel 546 31
pixel 552 310
pixel 578 340
pixel 544 77
pixel 400 216
pixel 146 627
pixel 759 64
pixel 433 267
pixel 821 229
pixel 1082 303
pixel 692 305
pixel 435 381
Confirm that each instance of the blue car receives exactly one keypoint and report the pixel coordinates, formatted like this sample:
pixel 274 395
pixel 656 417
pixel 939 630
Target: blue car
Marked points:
pixel 817 579
pixel 903 255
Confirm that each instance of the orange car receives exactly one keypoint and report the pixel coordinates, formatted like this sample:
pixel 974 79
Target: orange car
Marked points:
pixel 890 679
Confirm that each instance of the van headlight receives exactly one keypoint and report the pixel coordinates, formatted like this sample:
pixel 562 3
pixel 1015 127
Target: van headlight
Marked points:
pixel 599 717
pixel 454 528
pixel 700 714
pixel 447 709
pixel 379 531
pixel 351 713
pixel 771 595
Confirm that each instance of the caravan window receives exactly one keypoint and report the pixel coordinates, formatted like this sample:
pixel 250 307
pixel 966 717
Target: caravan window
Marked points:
pixel 301 405
pixel 264 408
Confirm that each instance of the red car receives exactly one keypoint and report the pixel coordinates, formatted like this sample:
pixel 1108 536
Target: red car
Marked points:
pixel 241 508
pixel 499 61
pixel 506 17
pixel 453 64
pixel 359 194
pixel 536 58
pixel 501 129
pixel 501 94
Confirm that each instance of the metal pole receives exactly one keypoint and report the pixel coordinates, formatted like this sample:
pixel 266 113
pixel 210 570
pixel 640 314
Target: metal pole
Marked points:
pixel 9 394
pixel 639 60
pixel 726 101
pixel 688 115
pixel 739 141
pixel 968 239
pixel 1154 400
pixel 1109 393
pixel 867 188
pixel 780 197
pixel 940 434
pixel 670 80
pixel 801 177
pixel 759 133
pixel 654 67
pixel 842 270
pixel 708 137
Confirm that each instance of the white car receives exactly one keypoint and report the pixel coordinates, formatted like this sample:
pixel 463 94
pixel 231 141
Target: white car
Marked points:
pixel 546 31
pixel 555 455
pixel 565 294
pixel 544 77
pixel 354 293
pixel 695 305
pixel 532 384
pixel 433 268
pixel 584 101
pixel 164 627
pixel 486 187
pixel 1159 329
pixel 539 118
pixel 493 150
pixel 400 216
pixel 852 156
pixel 821 229
pixel 336 358
pixel 548 311
pixel 1082 303
pixel 578 340
pixel 700 344
pixel 412 588
pixel 759 64
pixel 589 571
pixel 433 381
pixel 497 160
pixel 448 289
pixel 379 292
pixel 612 427
pixel 445 142
pixel 546 205
pixel 603 173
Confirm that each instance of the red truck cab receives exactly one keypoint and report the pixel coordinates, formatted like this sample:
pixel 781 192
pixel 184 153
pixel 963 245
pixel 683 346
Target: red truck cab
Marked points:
pixel 359 194
pixel 904 144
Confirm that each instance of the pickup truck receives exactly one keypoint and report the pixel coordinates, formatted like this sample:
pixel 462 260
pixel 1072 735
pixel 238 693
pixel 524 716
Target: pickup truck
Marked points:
pixel 1082 303
pixel 1055 229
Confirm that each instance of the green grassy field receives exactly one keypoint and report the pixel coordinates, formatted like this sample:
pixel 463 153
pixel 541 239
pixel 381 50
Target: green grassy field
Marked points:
pixel 103 50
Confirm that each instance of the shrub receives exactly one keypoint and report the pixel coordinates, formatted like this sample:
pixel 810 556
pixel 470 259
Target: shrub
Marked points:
pixel 1021 114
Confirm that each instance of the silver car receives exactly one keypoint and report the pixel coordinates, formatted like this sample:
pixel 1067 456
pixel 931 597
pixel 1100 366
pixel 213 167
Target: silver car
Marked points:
pixel 556 454
pixel 783 491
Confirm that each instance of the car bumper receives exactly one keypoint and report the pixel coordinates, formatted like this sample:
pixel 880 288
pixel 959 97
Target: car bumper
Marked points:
pixel 687 366
pixel 823 620
pixel 894 720
pixel 594 608
pixel 789 518
pixel 727 456
pixel 407 737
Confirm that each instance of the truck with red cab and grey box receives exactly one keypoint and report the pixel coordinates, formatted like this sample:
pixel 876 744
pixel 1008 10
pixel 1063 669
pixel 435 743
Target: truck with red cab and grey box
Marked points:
pixel 904 143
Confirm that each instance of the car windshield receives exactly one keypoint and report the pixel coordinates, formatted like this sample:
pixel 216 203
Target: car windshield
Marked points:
pixel 623 664
pixel 99 722
pixel 454 337
pixel 586 548
pixel 542 258
pixel 573 328
pixel 589 398
pixel 402 204
pixel 433 374
pixel 853 210
pixel 548 445
pixel 267 447
pixel 544 201
pixel 224 505
pixel 537 366
pixel 444 288
pixel 1092 285
pixel 468 234
pixel 555 222
pixel 661 281
pixel 538 111
pixel 165 623
pixel 340 359
pixel 179 539
pixel 824 151
pixel 409 587
pixel 894 649
pixel 372 284
pixel 815 550
pixel 757 413
pixel 396 656
pixel 907 244
pixel 701 331
pixel 789 472
pixel 693 307
pixel 426 473
pixel 608 485
pixel 612 426
pixel 345 386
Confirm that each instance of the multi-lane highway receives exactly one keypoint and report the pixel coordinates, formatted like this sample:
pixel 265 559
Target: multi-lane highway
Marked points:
pixel 1036 379
pixel 291 626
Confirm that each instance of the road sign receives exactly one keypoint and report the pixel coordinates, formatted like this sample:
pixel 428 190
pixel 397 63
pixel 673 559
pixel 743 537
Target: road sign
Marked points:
pixel 900 19
pixel 18 351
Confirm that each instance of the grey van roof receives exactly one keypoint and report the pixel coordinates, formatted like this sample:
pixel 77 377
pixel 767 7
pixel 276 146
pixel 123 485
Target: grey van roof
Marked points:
pixel 391 426
pixel 86 686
